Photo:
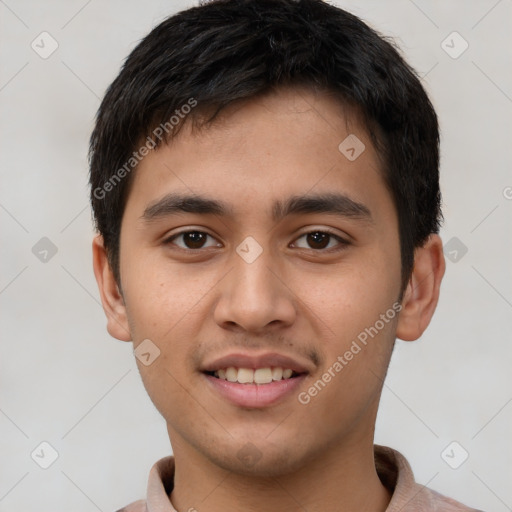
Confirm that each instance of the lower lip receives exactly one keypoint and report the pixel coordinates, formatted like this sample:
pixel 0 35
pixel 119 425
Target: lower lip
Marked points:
pixel 255 395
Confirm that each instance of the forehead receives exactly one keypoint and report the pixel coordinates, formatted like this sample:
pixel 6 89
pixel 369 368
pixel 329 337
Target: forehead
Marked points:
pixel 286 143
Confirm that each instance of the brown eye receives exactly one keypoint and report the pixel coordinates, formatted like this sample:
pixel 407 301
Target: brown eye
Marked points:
pixel 318 240
pixel 191 240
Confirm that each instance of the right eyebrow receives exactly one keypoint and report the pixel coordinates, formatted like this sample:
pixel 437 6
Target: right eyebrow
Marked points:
pixel 172 204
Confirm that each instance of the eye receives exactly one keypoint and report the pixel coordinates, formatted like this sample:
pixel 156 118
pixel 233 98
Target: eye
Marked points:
pixel 192 240
pixel 318 240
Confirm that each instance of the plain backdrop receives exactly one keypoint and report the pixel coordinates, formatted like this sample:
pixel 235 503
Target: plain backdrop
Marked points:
pixel 66 382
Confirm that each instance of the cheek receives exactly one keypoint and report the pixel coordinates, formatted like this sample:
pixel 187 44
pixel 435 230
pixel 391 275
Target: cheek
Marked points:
pixel 161 311
pixel 166 305
pixel 349 298
pixel 359 307
pixel 347 388
pixel 161 295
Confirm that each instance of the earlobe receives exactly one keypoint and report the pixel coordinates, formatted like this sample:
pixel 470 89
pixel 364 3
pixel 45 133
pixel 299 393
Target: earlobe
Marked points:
pixel 422 293
pixel 111 298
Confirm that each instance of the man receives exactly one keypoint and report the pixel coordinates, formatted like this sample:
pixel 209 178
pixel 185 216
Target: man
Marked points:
pixel 264 179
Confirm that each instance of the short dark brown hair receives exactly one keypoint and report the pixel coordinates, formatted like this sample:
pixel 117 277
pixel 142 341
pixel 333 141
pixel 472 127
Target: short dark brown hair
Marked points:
pixel 229 50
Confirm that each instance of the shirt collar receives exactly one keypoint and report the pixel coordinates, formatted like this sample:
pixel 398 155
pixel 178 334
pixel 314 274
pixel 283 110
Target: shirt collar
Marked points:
pixel 392 467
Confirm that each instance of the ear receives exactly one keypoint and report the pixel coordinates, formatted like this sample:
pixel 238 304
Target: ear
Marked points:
pixel 422 292
pixel 111 298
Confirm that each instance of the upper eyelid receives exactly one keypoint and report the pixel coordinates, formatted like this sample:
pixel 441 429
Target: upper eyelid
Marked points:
pixel 343 238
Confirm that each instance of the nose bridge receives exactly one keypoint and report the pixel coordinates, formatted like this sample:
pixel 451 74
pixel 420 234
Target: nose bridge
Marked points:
pixel 253 296
pixel 252 279
pixel 252 270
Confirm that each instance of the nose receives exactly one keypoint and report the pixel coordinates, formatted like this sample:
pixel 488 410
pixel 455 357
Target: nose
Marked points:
pixel 255 296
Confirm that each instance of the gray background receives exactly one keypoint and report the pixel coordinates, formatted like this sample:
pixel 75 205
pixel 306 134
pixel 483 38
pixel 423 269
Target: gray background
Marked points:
pixel 63 380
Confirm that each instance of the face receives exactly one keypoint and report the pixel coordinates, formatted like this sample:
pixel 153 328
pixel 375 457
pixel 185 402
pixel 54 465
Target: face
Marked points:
pixel 287 262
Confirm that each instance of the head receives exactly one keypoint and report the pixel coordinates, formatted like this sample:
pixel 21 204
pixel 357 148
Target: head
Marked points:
pixel 259 119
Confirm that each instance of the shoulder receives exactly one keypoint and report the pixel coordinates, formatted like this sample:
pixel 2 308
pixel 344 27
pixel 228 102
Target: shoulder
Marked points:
pixel 408 495
pixel 159 487
pixel 445 504
pixel 136 506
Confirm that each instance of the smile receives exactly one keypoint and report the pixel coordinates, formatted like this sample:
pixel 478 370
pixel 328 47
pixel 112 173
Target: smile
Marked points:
pixel 255 380
pixel 256 376
pixel 254 388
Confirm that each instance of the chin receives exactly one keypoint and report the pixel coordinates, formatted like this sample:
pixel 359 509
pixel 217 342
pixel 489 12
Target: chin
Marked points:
pixel 252 459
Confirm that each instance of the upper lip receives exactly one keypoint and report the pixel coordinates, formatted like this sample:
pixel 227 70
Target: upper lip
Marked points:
pixel 264 360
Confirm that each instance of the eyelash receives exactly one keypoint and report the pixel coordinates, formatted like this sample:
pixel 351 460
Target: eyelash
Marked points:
pixel 342 242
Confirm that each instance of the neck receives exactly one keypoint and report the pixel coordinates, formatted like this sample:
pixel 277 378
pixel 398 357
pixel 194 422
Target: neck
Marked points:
pixel 343 479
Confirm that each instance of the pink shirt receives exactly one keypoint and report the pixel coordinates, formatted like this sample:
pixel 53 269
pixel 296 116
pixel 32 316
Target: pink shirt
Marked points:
pixel 392 468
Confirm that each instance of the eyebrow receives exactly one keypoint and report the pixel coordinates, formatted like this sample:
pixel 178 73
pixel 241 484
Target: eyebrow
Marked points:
pixel 330 203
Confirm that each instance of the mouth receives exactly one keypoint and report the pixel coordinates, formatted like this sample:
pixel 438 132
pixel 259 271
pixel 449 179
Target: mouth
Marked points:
pixel 255 381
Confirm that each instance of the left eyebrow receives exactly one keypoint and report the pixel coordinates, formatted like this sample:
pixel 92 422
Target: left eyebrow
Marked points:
pixel 335 204
pixel 330 203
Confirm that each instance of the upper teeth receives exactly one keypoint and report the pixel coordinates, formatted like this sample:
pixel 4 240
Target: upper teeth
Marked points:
pixel 249 376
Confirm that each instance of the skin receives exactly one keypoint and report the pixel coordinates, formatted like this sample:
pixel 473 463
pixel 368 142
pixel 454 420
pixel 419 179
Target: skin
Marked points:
pixel 297 298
